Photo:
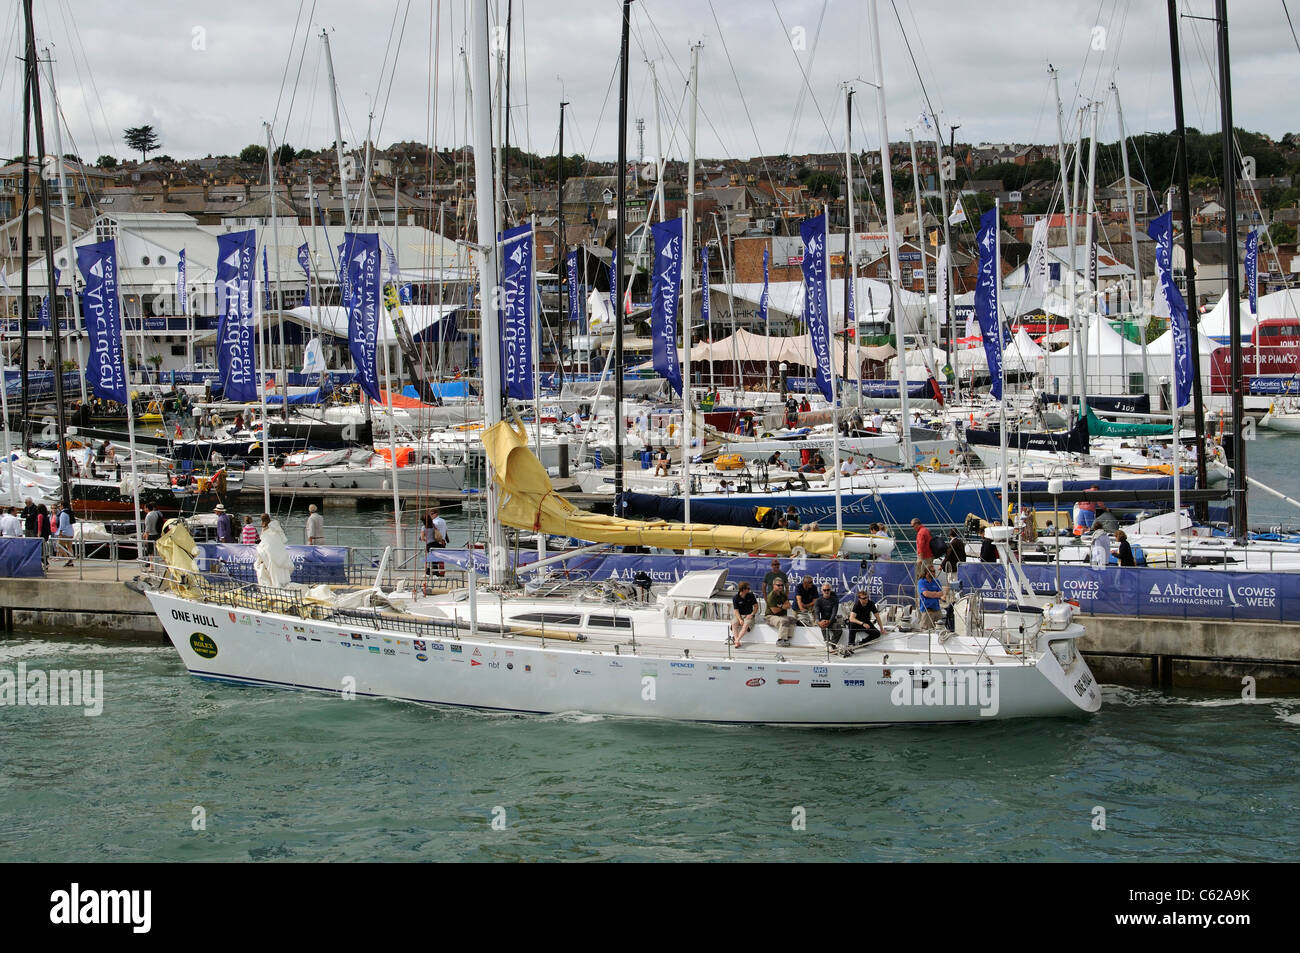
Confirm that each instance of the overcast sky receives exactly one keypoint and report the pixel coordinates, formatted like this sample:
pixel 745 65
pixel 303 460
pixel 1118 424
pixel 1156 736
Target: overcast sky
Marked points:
pixel 207 76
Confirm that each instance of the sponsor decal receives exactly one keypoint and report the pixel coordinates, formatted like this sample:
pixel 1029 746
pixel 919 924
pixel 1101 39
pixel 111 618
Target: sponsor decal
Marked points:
pixel 457 649
pixel 302 638
pixel 419 646
pixel 203 645
pixel 820 684
pixel 528 668
pixel 473 662
pixel 476 651
pixel 375 649
pixel 755 682
pixel 232 616
pixel 855 682
pixel 420 656
pixel 787 681
pixel 356 637
pixel 439 647
pixel 581 671
pixel 390 651
pixel 509 666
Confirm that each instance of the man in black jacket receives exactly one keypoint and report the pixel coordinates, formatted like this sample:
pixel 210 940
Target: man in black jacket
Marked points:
pixel 826 611
pixel 28 514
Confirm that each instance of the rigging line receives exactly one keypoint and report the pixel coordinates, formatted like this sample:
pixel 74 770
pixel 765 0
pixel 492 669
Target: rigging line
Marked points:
pixel 916 69
pixel 297 78
pixel 284 76
pixel 1291 25
pixel 807 82
pixel 90 77
pixel 392 76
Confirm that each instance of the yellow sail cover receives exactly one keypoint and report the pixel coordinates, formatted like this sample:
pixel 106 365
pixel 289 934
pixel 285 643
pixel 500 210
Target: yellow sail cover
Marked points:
pixel 529 501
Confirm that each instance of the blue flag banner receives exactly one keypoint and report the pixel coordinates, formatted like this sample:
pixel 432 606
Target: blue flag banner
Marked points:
pixel 43 319
pixel 517 312
pixel 304 262
pixel 762 301
pixel 613 283
pixel 182 288
pixel 816 306
pixel 106 368
pixel 1161 231
pixel 704 291
pixel 405 294
pixel 575 292
pixel 361 264
pixel 987 280
pixel 236 275
pixel 1252 267
pixel 663 300
pixel 390 262
pixel 266 282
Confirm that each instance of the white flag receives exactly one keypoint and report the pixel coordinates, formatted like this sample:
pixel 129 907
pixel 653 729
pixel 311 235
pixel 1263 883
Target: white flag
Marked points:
pixel 1036 266
pixel 958 213
pixel 313 357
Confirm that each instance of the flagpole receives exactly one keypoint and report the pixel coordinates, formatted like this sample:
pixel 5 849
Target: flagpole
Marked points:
pixel 1002 371
pixel 688 249
pixel 1178 473
pixel 835 384
pixel 261 390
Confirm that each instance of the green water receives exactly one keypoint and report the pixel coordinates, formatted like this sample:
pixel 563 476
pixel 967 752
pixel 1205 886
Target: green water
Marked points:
pixel 292 776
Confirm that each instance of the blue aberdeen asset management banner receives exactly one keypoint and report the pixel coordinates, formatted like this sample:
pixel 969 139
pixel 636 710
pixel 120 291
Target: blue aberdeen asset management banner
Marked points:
pixel 236 358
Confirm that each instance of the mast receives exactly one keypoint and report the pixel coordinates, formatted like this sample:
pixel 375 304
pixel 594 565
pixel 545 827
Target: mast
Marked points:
pixel 505 119
pixel 1234 290
pixel 279 295
pixel 24 303
pixel 565 290
pixel 659 144
pixel 1080 339
pixel 920 240
pixel 365 175
pixel 1094 310
pixel 850 266
pixel 67 227
pixel 619 248
pixel 33 81
pixel 947 307
pixel 1137 310
pixel 338 132
pixel 1189 268
pixel 905 424
pixel 1069 222
pixel 485 253
pixel 688 260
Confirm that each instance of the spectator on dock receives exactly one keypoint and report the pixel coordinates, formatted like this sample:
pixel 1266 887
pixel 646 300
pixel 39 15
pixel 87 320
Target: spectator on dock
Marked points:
pixel 153 524
pixel 661 462
pixel 28 515
pixel 1100 549
pixel 315 527
pixel 63 531
pixel 248 536
pixel 225 525
pixel 10 524
pixel 1125 550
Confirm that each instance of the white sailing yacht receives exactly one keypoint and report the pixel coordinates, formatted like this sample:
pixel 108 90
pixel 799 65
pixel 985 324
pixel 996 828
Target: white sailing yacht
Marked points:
pixel 586 648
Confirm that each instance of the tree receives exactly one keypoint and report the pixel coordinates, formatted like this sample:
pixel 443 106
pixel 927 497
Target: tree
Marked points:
pixel 255 154
pixel 284 154
pixel 143 140
pixel 1282 233
pixel 106 162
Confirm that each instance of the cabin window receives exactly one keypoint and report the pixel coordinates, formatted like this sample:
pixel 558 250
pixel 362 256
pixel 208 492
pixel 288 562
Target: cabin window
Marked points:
pixel 609 621
pixel 549 618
